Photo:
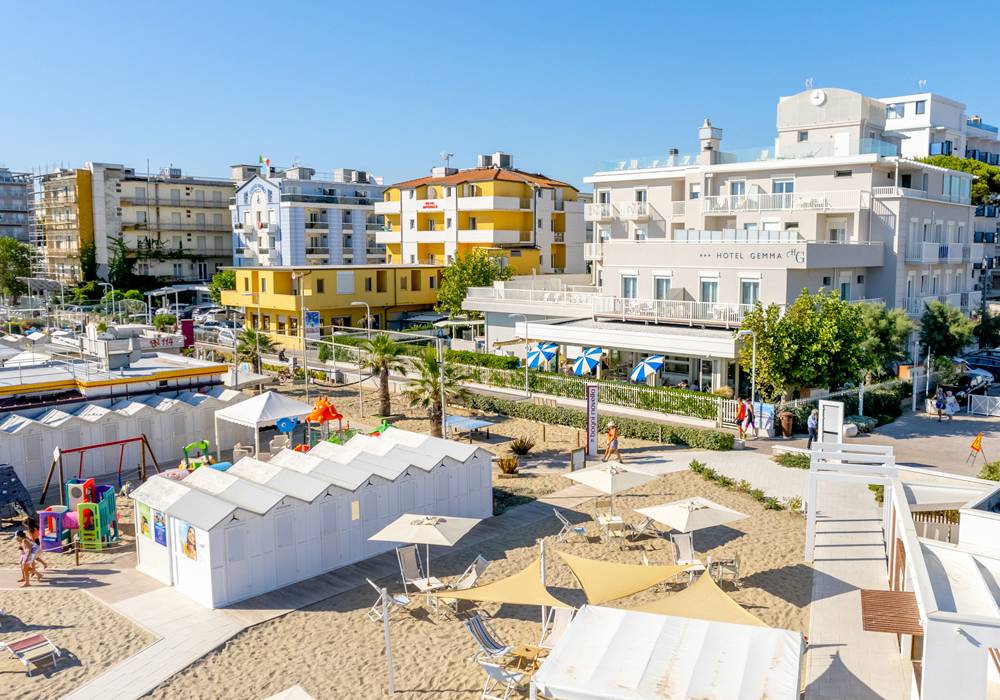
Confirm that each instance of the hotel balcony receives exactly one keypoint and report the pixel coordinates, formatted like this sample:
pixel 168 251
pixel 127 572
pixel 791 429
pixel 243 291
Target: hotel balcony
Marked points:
pixel 559 237
pixel 186 203
pixel 393 207
pixel 892 192
pixel 935 252
pixel 592 251
pixel 599 211
pixel 350 201
pixel 169 226
pixel 837 200
pixel 915 306
pixel 490 203
pixel 636 211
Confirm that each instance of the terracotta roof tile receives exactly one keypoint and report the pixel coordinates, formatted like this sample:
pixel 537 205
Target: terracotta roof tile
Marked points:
pixel 483 175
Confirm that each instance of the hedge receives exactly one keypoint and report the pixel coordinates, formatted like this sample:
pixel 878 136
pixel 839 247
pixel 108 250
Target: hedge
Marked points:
pixel 793 503
pixel 882 403
pixel 628 427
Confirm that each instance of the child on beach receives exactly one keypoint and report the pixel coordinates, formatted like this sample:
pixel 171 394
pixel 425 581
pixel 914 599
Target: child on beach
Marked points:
pixel 35 535
pixel 29 550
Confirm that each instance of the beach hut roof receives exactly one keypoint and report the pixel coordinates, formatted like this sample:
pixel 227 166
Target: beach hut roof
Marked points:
pixel 431 445
pixel 245 494
pixel 179 500
pixel 345 476
pixel 288 481
pixel 616 654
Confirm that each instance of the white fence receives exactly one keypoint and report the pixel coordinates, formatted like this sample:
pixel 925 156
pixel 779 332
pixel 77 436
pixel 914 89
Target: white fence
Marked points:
pixel 984 405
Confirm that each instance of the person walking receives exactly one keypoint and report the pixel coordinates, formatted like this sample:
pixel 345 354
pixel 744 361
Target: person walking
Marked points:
pixel 950 405
pixel 28 552
pixel 939 400
pixel 812 425
pixel 741 415
pixel 35 535
pixel 612 448
pixel 749 420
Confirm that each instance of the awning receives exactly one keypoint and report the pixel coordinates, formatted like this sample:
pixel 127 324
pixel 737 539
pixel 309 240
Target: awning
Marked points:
pixel 523 588
pixel 602 581
pixel 890 611
pixel 703 600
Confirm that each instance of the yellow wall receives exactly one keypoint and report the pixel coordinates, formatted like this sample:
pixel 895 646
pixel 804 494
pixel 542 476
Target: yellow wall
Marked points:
pixel 558 255
pixel 85 206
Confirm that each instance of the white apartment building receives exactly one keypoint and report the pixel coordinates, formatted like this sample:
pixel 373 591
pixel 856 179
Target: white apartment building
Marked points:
pixel 291 218
pixel 686 244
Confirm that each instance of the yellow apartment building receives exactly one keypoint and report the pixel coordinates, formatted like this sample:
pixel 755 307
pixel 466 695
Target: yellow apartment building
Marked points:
pixel 272 297
pixel 532 223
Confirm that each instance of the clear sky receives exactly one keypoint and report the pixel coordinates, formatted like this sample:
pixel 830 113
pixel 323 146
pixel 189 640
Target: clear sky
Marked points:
pixel 386 86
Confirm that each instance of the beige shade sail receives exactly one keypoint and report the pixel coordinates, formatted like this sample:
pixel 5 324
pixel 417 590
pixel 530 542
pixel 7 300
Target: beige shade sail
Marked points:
pixel 523 588
pixel 703 600
pixel 603 580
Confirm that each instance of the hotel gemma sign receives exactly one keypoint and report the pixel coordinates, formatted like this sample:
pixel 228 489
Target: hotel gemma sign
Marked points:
pixel 795 256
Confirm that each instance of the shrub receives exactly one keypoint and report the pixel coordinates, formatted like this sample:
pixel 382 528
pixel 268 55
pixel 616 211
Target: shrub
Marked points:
pixel 102 327
pixel 628 427
pixel 795 460
pixel 879 492
pixel 743 486
pixel 884 403
pixel 991 471
pixel 865 423
pixel 521 445
pixel 725 392
pixel 696 466
pixel 793 503
pixel 508 465
pixel 163 321
pixel 757 495
pixel 724 481
pixel 710 474
pixel 772 503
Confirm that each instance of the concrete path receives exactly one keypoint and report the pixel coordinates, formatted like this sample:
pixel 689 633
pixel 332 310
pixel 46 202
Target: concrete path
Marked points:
pixel 843 662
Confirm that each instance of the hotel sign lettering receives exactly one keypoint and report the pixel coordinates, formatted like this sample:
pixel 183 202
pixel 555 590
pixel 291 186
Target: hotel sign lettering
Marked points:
pixel 791 255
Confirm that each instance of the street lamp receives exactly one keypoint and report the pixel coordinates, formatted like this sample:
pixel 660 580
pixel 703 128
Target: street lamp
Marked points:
pixel 108 284
pixel 753 363
pixel 302 326
pixel 527 392
pixel 368 316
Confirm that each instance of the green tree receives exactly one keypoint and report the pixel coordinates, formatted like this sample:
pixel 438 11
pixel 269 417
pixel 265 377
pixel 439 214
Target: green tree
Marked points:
pixel 816 342
pixel 986 186
pixel 221 281
pixel 161 322
pixel 945 331
pixel 887 332
pixel 382 354
pixel 120 264
pixel 15 261
pixel 88 262
pixel 477 269
pixel 251 344
pixel 133 294
pixel 425 389
pixel 987 325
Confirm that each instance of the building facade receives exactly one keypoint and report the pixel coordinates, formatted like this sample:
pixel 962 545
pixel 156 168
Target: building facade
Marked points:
pixel 272 297
pixel 687 244
pixel 530 222
pixel 291 218
pixel 15 205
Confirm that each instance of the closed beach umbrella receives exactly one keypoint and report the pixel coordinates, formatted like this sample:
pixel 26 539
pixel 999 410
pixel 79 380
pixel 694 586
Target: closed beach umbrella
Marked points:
pixel 651 365
pixel 587 361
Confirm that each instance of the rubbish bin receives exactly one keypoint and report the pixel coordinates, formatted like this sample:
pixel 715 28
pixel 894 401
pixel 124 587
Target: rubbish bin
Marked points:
pixel 786 423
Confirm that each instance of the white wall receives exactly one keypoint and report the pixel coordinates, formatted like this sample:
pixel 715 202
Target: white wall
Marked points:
pixel 192 577
pixel 153 558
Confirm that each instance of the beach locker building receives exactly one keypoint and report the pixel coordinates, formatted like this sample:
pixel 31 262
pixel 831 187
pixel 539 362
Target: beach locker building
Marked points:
pixel 223 537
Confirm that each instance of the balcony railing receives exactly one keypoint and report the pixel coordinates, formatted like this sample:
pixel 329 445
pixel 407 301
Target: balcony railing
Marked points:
pixel 559 237
pixel 915 306
pixel 736 236
pixel 599 211
pixel 932 251
pixel 636 211
pixel 169 226
pixel 919 194
pixel 784 201
pixel 981 125
pixel 328 199
pixel 592 251
pixel 186 202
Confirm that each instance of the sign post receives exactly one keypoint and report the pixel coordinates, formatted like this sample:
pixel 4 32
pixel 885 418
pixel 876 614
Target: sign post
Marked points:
pixel 592 419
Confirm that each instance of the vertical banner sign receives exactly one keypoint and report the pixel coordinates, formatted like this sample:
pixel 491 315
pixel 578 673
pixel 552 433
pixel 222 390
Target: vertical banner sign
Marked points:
pixel 312 324
pixel 592 419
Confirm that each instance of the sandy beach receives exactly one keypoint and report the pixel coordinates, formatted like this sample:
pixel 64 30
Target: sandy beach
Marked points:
pixel 90 635
pixel 332 650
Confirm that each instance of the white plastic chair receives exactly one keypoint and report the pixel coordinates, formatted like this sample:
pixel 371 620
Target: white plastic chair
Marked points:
pixel 683 549
pixel 375 613
pixel 616 532
pixel 555 624
pixel 499 679
pixel 568 528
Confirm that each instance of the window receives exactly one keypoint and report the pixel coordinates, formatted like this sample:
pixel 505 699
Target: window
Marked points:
pixel 838 233
pixel 803 136
pixel 630 284
pixel 432 281
pixel 861 279
pixel 409 194
pixel 827 281
pixel 319 286
pixel 413 224
pixel 263 284
pixel 895 111
pixel 845 290
pixel 919 107
pixel 431 225
pixel 783 186
pixel 640 233
pixel 661 287
pixel 843 173
pixel 447 222
pixel 539 223
pixel 246 284
pixel 403 283
pixel 737 188
pixel 694 190
pixel 749 291
pixel 640 195
pixel 178 269
pixel 709 290
pixel 368 284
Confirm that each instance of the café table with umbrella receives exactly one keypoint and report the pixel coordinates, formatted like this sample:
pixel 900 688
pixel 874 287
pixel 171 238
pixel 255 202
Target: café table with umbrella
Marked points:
pixel 647 367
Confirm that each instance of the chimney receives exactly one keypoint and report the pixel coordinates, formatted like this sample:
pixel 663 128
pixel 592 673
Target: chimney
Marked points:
pixel 709 140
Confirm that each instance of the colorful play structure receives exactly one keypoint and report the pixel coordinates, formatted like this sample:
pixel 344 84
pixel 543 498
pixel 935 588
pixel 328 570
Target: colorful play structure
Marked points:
pixel 59 453
pixel 89 510
pixel 201 457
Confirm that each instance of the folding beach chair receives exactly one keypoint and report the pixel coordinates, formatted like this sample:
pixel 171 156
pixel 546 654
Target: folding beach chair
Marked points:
pixel 467 580
pixel 555 624
pixel 490 649
pixel 727 567
pixel 32 650
pixel 646 527
pixel 568 528
pixel 499 680
pixel 616 532
pixel 683 548
pixel 410 567
pixel 602 505
pixel 375 613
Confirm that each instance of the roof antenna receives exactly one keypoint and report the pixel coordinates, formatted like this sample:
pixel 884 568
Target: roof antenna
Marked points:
pixel 921 84
pixel 809 83
pixel 446 157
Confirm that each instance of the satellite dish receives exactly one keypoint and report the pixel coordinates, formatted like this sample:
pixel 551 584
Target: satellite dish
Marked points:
pixel 817 97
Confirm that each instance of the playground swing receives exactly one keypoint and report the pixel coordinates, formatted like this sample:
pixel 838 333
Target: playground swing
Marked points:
pixel 59 453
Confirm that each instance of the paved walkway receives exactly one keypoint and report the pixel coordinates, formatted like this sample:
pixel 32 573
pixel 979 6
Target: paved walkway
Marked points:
pixel 843 661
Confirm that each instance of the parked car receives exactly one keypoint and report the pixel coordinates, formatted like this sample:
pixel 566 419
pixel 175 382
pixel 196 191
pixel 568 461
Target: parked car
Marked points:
pixel 975 381
pixel 227 336
pixel 211 324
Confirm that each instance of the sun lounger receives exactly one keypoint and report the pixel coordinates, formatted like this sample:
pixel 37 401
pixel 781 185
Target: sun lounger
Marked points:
pixel 555 625
pixel 375 613
pixel 499 680
pixel 467 580
pixel 32 650
pixel 490 648
pixel 568 528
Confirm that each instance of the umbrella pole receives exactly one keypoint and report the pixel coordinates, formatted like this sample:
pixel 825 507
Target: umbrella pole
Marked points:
pixel 428 572
pixel 388 641
pixel 541 558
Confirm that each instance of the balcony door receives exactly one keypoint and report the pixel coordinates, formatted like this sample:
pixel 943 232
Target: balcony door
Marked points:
pixel 661 287
pixel 630 285
pixel 709 291
pixel 749 291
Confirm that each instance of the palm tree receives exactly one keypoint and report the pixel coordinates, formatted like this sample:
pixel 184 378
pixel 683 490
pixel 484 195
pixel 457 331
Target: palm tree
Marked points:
pixel 425 389
pixel 250 344
pixel 381 354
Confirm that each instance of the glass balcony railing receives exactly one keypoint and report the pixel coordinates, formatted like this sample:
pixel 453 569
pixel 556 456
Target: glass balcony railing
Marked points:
pixel 987 210
pixel 940 149
pixel 982 125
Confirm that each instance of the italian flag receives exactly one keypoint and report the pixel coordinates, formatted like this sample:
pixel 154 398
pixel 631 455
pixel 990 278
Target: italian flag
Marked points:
pixel 266 162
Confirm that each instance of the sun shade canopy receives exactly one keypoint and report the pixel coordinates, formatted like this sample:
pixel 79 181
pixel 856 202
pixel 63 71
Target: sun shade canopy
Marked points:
pixel 703 600
pixel 603 581
pixel 610 478
pixel 425 529
pixel 264 410
pixel 523 588
pixel 690 514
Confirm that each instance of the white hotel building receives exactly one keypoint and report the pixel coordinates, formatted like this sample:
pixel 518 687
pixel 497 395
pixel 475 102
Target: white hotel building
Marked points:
pixel 687 243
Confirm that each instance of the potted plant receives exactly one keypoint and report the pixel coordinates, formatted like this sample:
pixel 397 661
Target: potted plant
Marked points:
pixel 508 466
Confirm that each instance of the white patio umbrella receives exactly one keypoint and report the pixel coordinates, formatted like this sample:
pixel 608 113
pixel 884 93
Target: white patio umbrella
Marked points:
pixel 442 530
pixel 691 514
pixel 611 478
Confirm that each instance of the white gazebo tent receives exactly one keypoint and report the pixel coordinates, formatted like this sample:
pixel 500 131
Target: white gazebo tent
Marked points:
pixel 615 654
pixel 262 411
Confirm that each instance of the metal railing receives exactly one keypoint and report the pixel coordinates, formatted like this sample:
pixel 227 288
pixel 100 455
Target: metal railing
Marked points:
pixel 170 226
pixel 671 311
pixel 891 191
pixel 783 201
pixel 599 211
pixel 328 199
pixel 592 251
pixel 636 210
pixel 190 202
pixel 736 236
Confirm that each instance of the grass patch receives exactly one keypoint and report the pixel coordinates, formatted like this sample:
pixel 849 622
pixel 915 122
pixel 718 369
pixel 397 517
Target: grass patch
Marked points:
pixel 795 460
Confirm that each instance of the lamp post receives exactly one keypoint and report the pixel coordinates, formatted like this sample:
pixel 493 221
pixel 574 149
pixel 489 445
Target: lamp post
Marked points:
pixel 302 327
pixel 368 316
pixel 108 284
pixel 527 392
pixel 753 363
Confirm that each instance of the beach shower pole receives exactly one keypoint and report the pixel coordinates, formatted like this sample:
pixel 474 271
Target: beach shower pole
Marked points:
pixel 388 641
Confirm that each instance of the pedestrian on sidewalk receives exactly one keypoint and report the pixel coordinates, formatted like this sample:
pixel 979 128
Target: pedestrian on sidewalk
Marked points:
pixel 612 448
pixel 741 415
pixel 29 550
pixel 939 400
pixel 749 420
pixel 812 424
pixel 950 405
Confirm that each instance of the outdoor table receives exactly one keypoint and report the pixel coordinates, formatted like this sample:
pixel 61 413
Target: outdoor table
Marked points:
pixel 428 586
pixel 528 657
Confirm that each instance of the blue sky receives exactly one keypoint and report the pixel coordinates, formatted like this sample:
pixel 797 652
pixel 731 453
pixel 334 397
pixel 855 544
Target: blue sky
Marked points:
pixel 386 86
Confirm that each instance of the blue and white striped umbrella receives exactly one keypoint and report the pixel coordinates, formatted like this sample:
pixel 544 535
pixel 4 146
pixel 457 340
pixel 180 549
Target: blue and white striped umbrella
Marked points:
pixel 651 365
pixel 587 361
pixel 539 355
